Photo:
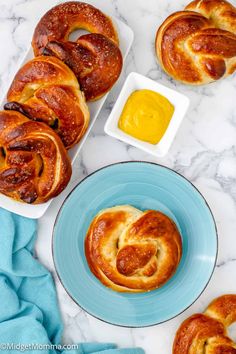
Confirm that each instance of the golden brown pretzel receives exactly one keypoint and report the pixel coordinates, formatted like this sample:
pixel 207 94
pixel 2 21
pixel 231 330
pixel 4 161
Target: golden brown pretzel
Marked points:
pixel 34 165
pixel 222 13
pixel 45 89
pixel 207 333
pixel 133 251
pixel 95 60
pixel 198 45
pixel 60 21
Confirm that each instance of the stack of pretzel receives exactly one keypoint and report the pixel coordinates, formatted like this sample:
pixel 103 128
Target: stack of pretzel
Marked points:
pixel 47 113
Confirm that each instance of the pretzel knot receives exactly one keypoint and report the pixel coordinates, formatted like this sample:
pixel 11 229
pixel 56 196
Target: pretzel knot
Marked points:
pixel 95 58
pixel 207 333
pixel 130 250
pixel 34 165
pixel 60 21
pixel 45 89
pixel 198 45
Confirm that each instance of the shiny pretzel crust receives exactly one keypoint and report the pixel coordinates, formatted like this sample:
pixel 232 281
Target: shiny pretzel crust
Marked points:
pixel 198 45
pixel 133 251
pixel 34 165
pixel 207 333
pixel 45 89
pixel 63 19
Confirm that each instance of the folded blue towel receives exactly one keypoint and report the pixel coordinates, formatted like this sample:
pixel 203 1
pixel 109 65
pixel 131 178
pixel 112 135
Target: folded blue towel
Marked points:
pixel 29 312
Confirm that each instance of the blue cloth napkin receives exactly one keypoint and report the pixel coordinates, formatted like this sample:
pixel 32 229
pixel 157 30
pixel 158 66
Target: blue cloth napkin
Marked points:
pixel 29 312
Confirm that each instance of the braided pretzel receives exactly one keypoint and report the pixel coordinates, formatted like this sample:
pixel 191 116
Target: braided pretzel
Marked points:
pixel 60 21
pixel 34 165
pixel 45 89
pixel 95 58
pixel 133 251
pixel 207 333
pixel 198 45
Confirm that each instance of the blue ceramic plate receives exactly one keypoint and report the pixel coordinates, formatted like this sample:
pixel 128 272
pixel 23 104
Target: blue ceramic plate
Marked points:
pixel 145 186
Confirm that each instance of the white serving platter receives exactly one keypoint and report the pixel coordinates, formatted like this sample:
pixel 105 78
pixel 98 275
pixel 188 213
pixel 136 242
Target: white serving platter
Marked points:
pixel 126 36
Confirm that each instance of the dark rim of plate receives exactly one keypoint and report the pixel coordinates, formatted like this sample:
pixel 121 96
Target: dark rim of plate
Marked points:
pixel 138 162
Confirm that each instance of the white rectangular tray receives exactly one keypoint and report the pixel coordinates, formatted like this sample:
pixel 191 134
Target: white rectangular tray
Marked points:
pixel 36 211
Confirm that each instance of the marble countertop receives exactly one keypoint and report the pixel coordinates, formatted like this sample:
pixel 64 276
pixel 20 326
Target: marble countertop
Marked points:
pixel 204 151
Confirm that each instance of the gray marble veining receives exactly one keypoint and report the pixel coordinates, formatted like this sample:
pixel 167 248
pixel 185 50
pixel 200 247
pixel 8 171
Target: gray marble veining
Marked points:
pixel 204 151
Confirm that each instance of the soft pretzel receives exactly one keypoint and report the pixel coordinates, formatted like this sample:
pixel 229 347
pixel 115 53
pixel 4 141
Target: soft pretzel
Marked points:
pixel 198 45
pixel 221 12
pixel 45 89
pixel 95 60
pixel 34 165
pixel 60 21
pixel 207 332
pixel 132 251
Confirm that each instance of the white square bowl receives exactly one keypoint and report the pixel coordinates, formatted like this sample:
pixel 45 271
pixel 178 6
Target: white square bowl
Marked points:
pixel 135 82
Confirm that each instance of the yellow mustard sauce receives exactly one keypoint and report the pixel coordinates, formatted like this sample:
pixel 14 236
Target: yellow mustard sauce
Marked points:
pixel 146 116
